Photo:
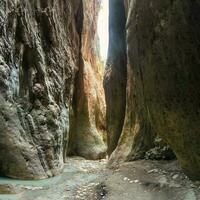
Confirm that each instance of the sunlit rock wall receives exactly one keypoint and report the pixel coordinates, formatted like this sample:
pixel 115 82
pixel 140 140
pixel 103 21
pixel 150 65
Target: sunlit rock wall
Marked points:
pixel 88 127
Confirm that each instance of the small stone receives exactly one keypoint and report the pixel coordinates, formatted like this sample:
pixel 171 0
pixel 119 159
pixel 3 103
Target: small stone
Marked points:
pixel 175 176
pixel 153 171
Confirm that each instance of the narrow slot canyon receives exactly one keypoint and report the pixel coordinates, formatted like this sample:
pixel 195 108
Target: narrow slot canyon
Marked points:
pixel 99 100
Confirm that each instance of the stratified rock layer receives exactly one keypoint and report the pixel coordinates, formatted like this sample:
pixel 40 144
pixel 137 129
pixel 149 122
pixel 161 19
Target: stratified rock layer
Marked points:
pixel 40 54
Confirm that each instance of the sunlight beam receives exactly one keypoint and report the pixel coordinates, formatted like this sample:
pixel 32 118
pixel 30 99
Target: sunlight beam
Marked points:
pixel 103 29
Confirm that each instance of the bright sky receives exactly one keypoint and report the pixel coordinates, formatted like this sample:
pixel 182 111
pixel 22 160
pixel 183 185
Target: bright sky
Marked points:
pixel 103 29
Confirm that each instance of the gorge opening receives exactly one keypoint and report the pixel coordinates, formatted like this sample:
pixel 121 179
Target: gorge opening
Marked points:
pixel 102 29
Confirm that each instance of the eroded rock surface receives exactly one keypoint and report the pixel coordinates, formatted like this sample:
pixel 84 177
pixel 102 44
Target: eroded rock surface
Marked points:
pixel 88 126
pixel 40 55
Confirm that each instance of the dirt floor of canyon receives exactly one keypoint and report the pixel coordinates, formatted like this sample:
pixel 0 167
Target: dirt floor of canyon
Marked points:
pixel 91 180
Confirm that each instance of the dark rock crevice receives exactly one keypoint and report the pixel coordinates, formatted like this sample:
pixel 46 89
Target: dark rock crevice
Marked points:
pixel 116 73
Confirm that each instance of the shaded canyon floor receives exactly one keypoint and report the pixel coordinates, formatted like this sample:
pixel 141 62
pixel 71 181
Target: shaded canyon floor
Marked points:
pixel 91 180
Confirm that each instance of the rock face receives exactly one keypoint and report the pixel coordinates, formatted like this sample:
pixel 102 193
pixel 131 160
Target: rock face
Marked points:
pixel 40 54
pixel 115 73
pixel 163 47
pixel 163 78
pixel 88 125
pixel 129 134
pixel 51 94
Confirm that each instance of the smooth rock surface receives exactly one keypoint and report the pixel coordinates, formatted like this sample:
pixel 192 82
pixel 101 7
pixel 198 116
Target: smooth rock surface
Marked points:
pixel 87 132
pixel 162 92
pixel 163 55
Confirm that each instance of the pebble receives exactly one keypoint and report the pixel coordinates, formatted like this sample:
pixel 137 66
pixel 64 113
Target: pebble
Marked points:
pixel 33 188
pixel 175 176
pixel 153 171
pixel 131 181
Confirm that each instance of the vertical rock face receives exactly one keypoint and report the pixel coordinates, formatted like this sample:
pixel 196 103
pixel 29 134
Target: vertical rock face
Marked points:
pixel 40 54
pixel 115 74
pixel 163 47
pixel 88 126
pixel 163 78
pixel 129 132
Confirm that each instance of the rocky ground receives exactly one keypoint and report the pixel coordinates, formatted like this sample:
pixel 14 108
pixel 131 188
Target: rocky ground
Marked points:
pixel 91 180
pixel 150 180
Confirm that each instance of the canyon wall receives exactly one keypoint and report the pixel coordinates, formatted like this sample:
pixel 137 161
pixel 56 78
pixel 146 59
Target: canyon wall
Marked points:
pixel 51 94
pixel 163 47
pixel 43 45
pixel 129 131
pixel 115 74
pixel 87 132
pixel 163 79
